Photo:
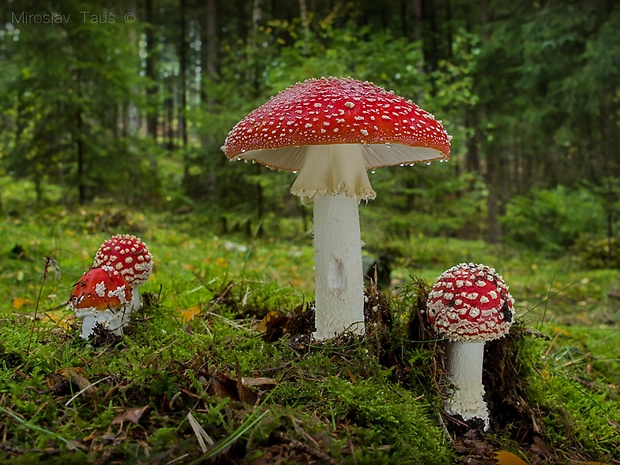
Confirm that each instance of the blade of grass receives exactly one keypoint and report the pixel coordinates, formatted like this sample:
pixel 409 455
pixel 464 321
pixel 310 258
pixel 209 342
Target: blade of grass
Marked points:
pixel 34 427
pixel 248 424
pixel 48 263
pixel 200 433
pixel 79 393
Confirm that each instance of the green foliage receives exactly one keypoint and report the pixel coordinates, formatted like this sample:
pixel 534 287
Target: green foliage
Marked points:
pixel 551 220
pixel 62 107
pixel 530 99
pixel 598 253
pixel 569 384
pixel 417 201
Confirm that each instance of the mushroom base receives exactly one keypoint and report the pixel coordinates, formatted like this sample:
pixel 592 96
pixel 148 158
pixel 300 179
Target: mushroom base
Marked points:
pixel 338 263
pixel 114 321
pixel 464 366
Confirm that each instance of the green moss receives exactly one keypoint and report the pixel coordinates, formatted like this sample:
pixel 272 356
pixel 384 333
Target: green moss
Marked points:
pixel 401 428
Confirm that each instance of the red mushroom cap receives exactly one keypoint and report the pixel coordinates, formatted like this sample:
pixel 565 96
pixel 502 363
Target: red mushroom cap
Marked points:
pixel 338 111
pixel 100 289
pixel 128 255
pixel 470 302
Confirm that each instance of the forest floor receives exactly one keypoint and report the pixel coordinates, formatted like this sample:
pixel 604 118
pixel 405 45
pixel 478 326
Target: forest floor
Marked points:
pixel 219 366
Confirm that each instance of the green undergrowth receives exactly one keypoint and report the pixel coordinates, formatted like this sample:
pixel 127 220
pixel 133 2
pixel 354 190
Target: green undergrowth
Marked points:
pixel 574 384
pixel 196 357
pixel 340 398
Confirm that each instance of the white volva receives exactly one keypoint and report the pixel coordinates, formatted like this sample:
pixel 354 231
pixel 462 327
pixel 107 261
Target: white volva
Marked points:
pixel 464 366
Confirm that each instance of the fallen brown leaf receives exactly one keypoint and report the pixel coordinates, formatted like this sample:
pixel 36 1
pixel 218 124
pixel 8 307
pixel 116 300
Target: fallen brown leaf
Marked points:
pixel 223 386
pixel 260 381
pixel 274 325
pixel 504 457
pixel 541 448
pixel 76 376
pixel 131 415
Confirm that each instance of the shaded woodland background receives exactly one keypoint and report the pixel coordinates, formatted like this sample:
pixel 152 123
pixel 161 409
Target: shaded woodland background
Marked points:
pixel 129 102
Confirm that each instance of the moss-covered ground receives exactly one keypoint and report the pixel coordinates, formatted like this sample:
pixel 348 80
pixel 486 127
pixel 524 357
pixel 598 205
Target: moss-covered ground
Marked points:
pixel 218 367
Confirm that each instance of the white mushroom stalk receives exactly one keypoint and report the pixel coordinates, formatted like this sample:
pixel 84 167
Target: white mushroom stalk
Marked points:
pixel 332 130
pixel 464 367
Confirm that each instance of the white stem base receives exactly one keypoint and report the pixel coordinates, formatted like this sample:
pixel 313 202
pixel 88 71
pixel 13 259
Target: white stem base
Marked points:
pixel 464 365
pixel 338 262
pixel 113 321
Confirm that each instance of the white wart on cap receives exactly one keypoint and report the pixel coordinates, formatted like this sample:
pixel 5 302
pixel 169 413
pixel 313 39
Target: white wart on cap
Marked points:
pixel 101 296
pixel 129 256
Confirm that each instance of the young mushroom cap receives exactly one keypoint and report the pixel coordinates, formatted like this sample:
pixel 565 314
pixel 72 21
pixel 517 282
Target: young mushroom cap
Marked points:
pixel 101 295
pixel 470 303
pixel 128 255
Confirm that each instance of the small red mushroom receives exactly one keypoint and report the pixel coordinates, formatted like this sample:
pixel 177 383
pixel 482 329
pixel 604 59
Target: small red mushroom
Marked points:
pixel 101 296
pixel 129 256
pixel 332 130
pixel 468 305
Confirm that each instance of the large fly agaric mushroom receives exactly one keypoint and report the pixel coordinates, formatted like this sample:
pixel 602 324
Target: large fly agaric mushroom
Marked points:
pixel 468 305
pixel 130 257
pixel 101 296
pixel 331 130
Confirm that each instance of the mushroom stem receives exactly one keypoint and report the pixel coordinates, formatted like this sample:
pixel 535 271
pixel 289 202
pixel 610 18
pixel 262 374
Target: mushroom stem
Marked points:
pixel 338 263
pixel 135 303
pixel 464 366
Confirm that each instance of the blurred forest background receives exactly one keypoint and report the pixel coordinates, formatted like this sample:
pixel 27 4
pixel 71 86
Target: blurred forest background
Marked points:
pixel 129 102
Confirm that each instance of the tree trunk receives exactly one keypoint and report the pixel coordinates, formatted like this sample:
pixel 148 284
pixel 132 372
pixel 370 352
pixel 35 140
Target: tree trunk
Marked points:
pixel 257 15
pixel 151 89
pixel 182 126
pixel 493 198
pixel 80 158
pixel 492 166
pixel 303 15
pixel 417 20
pixel 170 144
pixel 211 59
pixel 449 32
pixel 472 158
pixel 79 146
